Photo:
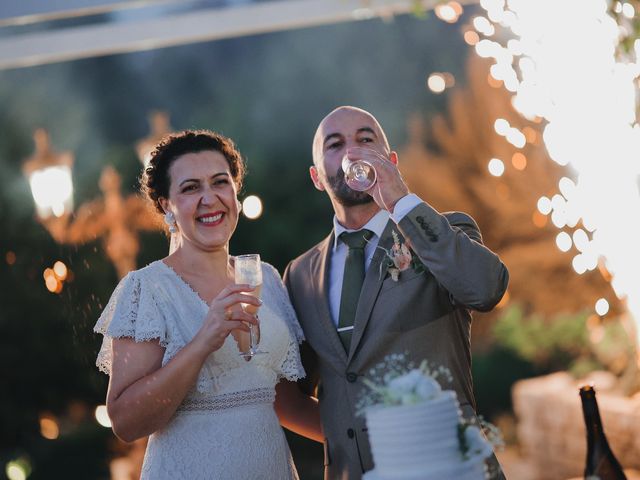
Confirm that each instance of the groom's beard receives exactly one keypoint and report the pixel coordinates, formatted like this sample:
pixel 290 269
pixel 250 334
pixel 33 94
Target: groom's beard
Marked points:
pixel 345 195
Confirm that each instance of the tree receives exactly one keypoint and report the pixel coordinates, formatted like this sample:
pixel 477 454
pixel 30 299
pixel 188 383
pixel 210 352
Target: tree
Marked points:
pixel 446 164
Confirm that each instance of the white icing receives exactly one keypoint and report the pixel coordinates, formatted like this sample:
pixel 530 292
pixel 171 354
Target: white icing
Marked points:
pixel 420 442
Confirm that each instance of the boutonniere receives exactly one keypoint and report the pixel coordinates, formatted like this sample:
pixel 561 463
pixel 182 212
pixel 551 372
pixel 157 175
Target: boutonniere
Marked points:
pixel 399 258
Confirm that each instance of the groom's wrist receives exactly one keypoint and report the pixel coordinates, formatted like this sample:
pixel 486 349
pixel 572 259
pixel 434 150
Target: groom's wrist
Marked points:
pixel 403 206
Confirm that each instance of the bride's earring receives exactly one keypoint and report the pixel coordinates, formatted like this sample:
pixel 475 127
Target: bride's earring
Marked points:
pixel 170 220
pixel 239 205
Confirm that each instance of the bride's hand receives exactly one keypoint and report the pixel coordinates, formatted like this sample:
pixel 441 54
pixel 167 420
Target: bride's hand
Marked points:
pixel 226 314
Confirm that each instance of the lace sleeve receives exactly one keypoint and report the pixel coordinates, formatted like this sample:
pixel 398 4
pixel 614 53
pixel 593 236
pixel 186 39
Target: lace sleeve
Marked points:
pixel 132 312
pixel 291 366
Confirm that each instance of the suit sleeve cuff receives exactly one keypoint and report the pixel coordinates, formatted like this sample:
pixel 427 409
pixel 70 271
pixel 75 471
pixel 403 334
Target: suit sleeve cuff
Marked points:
pixel 404 206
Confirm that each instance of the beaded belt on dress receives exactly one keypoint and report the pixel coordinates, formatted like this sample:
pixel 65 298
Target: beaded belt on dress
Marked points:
pixel 228 400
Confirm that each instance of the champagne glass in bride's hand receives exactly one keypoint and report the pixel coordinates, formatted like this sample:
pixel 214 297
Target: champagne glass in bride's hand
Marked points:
pixel 248 269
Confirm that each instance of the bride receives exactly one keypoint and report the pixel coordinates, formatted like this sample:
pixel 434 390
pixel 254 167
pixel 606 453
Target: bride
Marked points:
pixel 173 333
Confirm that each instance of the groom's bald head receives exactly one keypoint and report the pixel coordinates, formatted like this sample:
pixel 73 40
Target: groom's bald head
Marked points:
pixel 341 122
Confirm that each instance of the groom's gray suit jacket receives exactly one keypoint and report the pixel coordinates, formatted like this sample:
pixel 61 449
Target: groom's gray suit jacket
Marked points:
pixel 424 314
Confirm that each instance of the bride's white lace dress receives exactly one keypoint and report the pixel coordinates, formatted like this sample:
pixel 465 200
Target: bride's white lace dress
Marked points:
pixel 226 428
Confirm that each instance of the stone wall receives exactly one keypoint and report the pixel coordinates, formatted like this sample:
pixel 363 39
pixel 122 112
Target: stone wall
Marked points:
pixel 550 425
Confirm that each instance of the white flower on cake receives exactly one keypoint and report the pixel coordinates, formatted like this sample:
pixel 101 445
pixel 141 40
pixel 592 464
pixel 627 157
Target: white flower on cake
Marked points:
pixel 476 445
pixel 397 386
pixel 413 387
pixel 416 429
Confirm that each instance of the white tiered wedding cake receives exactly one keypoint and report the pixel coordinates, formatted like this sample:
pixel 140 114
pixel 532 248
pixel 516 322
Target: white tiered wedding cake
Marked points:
pixel 420 435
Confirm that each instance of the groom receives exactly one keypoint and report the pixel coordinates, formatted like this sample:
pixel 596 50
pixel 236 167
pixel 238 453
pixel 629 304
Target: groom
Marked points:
pixel 352 309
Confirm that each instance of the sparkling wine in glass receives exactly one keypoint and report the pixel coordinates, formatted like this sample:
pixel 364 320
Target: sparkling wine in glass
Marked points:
pixel 358 174
pixel 248 269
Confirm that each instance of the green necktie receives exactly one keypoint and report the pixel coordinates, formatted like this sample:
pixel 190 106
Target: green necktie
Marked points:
pixel 351 282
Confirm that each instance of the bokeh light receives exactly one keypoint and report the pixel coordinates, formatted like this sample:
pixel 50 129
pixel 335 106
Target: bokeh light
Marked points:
pixel 52 190
pixel 578 264
pixel 539 220
pixel 18 469
pixel 581 240
pixel 51 283
pixel 252 207
pixel 563 241
pixel 501 126
pixel 544 205
pixel 449 79
pixel 60 270
pixel 102 416
pixel 484 26
pixel 496 167
pixel 602 307
pixel 54 277
pixel 471 37
pixel 519 161
pixel 436 83
pixel 15 472
pixel 449 12
pixel 49 427
pixel 516 138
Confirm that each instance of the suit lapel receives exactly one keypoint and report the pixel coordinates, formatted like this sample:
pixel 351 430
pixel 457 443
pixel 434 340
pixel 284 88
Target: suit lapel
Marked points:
pixel 319 272
pixel 370 289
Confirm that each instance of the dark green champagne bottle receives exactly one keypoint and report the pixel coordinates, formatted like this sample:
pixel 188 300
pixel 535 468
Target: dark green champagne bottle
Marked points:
pixel 601 463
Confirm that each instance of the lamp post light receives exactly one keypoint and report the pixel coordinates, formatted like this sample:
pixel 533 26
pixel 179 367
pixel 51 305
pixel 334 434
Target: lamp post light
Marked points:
pixel 115 218
pixel 49 175
pixel 160 126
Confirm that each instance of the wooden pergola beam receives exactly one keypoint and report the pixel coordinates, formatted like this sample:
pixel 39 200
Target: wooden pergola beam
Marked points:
pixel 184 28
pixel 23 12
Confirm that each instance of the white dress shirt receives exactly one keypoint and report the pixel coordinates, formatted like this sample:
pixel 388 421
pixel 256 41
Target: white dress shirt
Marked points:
pixel 377 225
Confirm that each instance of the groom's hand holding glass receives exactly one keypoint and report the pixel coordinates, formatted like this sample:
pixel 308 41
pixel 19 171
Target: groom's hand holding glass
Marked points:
pixel 389 186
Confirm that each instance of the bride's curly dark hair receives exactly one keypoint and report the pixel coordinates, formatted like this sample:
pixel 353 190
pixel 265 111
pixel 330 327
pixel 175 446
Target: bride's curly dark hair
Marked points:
pixel 155 181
